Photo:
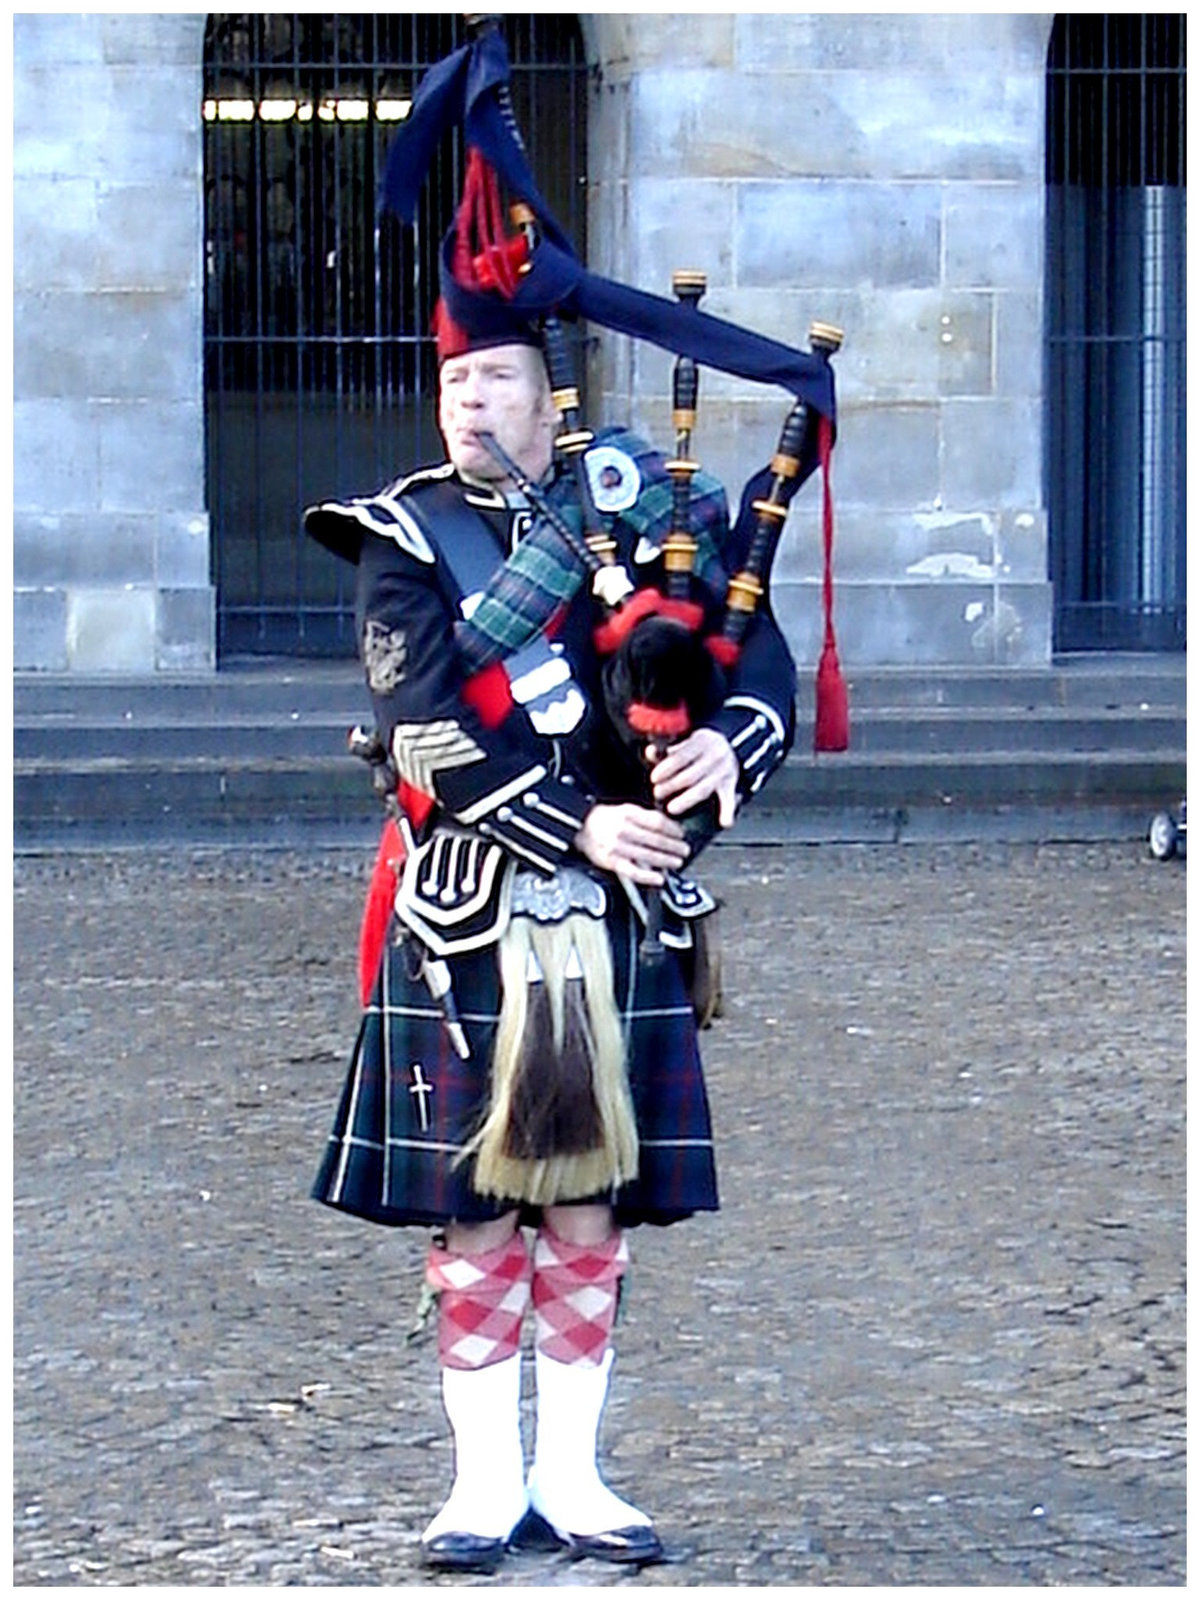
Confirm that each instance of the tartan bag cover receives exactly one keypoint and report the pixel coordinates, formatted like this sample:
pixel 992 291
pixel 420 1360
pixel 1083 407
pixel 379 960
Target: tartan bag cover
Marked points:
pixel 409 1103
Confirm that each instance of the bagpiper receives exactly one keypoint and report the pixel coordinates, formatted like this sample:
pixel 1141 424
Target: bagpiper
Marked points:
pixel 571 696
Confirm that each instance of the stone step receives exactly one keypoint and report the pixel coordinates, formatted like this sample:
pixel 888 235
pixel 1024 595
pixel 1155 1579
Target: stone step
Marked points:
pixel 875 731
pixel 296 689
pixel 832 797
pixel 1087 749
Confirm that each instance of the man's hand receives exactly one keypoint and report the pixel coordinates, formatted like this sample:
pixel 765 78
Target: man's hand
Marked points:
pixel 635 841
pixel 688 773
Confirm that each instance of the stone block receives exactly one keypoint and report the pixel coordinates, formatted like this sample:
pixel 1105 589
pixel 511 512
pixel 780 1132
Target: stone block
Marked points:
pixel 72 549
pixel 121 346
pixel 608 130
pixel 889 457
pixel 166 101
pixel 111 630
pixel 1019 344
pixel 56 455
pixel 151 238
pixel 696 123
pixel 151 454
pixel 879 126
pixel 39 629
pixel 919 624
pixel 624 44
pixel 56 233
pixel 945 125
pixel 1022 545
pixel 827 234
pixel 50 39
pixel 95 122
pixel 909 344
pixel 994 236
pixel 139 38
pixel 878 42
pixel 689 223
pixel 62 114
pixel 888 546
pixel 991 452
pixel 1017 628
pixel 966 341
pixel 182 550
pixel 187 630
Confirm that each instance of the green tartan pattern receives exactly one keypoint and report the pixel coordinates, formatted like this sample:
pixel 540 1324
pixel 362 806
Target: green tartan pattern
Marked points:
pixel 542 574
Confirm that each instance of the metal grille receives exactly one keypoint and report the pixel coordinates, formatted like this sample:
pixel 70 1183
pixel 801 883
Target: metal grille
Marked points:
pixel 320 370
pixel 1116 316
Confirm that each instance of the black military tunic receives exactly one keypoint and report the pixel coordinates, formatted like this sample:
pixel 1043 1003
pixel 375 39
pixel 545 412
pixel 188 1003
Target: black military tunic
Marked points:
pixel 509 799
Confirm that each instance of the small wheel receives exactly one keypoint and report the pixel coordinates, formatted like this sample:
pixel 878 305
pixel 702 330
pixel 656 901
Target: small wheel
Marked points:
pixel 1163 837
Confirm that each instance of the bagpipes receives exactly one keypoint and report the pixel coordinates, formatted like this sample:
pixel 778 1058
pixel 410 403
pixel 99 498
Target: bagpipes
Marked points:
pixel 665 665
pixel 665 662
pixel 666 657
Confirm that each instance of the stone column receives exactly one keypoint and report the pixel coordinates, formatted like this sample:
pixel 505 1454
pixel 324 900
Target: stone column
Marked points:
pixel 111 539
pixel 885 173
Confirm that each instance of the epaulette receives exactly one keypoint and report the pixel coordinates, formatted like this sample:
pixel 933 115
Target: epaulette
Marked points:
pixel 477 495
pixel 421 475
pixel 339 525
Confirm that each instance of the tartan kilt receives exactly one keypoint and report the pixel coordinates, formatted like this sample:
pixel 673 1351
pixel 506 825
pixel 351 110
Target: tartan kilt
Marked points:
pixel 410 1103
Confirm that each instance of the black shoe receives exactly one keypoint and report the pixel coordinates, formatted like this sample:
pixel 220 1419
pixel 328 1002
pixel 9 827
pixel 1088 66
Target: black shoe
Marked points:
pixel 463 1552
pixel 637 1546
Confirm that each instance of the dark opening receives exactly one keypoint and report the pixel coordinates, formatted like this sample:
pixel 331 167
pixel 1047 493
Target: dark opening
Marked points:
pixel 319 365
pixel 1116 320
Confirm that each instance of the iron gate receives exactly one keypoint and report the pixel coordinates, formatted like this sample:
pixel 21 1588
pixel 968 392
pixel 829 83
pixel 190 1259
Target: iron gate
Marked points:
pixel 319 367
pixel 1116 311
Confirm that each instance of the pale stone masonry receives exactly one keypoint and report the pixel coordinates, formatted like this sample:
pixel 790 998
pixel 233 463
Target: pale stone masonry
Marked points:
pixel 110 534
pixel 883 172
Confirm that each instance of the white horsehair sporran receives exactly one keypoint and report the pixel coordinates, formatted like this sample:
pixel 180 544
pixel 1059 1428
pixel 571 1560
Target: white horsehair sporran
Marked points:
pixel 560 1123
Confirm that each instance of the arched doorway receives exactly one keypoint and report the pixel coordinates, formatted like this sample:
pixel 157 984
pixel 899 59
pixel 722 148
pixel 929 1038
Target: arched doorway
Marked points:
pixel 1115 319
pixel 319 367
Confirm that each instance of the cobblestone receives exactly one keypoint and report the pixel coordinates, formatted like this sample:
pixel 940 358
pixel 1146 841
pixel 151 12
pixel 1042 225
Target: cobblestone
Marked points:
pixel 935 1336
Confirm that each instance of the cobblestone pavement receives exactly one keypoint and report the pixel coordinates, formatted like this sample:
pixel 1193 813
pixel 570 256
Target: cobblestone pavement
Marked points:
pixel 936 1335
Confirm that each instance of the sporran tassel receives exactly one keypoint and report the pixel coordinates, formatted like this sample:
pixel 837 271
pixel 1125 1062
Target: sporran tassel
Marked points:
pixel 552 1109
pixel 560 1124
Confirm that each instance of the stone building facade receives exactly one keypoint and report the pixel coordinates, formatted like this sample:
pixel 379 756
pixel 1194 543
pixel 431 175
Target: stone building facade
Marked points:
pixel 110 534
pixel 882 172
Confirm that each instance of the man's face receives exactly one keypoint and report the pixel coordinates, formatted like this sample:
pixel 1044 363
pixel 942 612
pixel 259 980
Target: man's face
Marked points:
pixel 503 391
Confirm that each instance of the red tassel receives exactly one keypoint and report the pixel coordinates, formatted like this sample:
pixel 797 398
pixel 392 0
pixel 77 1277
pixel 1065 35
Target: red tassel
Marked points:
pixel 831 731
pixel 831 728
pixel 377 912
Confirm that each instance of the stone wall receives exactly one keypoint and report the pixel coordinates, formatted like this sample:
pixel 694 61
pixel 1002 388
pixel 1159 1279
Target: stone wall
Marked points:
pixel 882 172
pixel 110 535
